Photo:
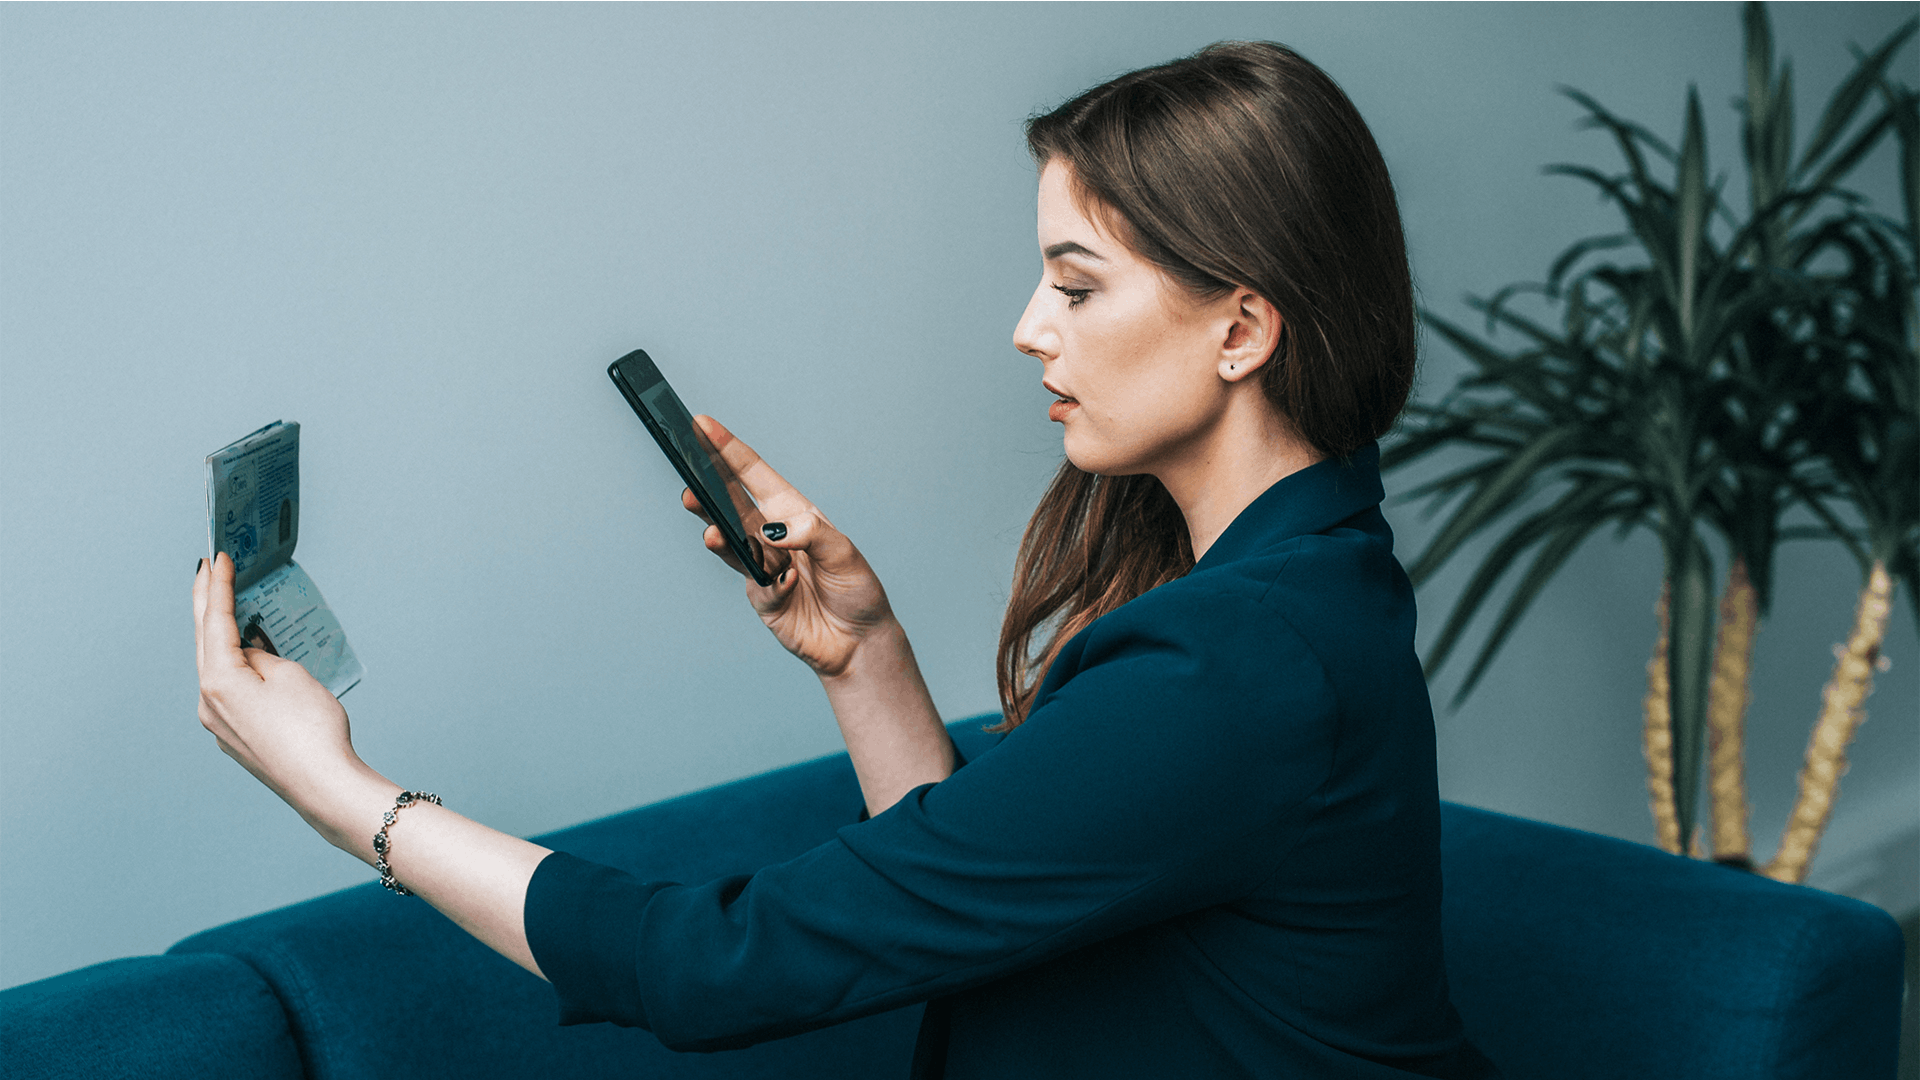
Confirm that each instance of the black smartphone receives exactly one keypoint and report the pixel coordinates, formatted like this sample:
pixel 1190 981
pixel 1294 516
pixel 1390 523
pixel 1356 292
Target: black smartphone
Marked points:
pixel 720 492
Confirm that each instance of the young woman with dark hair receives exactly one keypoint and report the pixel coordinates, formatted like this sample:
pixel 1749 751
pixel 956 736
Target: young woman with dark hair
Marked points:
pixel 1208 842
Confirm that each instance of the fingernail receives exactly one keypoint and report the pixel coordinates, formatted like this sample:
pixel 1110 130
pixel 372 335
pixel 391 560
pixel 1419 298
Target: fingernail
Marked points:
pixel 199 566
pixel 774 530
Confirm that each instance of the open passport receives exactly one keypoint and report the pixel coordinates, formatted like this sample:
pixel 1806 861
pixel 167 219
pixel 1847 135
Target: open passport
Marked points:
pixel 253 514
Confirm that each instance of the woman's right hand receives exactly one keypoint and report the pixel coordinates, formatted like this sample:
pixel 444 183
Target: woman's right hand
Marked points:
pixel 829 600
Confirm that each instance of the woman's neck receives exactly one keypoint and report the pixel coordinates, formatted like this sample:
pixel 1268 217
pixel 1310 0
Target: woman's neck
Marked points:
pixel 1235 461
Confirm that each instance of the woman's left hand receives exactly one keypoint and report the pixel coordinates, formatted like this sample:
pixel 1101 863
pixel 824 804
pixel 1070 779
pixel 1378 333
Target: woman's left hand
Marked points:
pixel 268 713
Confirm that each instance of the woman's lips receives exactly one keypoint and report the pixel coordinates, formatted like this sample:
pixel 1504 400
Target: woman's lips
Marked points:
pixel 1057 412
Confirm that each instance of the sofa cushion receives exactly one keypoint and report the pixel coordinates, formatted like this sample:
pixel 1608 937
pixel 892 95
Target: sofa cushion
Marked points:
pixel 200 1017
pixel 1573 955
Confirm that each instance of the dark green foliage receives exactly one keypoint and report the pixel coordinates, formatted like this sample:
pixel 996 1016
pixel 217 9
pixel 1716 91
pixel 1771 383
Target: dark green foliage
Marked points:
pixel 1705 373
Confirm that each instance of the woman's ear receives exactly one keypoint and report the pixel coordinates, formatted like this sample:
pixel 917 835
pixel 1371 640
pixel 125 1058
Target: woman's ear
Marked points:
pixel 1251 336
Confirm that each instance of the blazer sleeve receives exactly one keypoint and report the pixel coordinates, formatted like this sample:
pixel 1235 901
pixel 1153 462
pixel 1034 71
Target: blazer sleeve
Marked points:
pixel 1161 776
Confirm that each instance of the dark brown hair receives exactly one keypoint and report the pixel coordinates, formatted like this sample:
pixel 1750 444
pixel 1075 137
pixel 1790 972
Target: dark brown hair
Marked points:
pixel 1242 165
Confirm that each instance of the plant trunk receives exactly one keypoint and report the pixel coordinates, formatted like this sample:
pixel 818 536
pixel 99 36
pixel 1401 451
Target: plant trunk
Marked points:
pixel 1841 713
pixel 1657 736
pixel 1689 669
pixel 1727 718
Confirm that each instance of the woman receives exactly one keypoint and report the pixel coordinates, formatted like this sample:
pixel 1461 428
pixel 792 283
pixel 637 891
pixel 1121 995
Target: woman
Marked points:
pixel 1208 843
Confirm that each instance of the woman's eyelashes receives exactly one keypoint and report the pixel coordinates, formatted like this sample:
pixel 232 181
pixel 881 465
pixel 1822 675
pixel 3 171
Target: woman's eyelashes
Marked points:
pixel 1075 297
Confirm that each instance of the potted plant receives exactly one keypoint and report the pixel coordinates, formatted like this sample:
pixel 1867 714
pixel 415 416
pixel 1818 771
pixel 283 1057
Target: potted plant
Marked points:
pixel 1705 372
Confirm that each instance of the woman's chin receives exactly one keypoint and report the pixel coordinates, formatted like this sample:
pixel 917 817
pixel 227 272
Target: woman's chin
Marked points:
pixel 1100 461
pixel 1077 456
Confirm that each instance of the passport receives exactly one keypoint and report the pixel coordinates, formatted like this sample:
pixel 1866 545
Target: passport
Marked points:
pixel 253 514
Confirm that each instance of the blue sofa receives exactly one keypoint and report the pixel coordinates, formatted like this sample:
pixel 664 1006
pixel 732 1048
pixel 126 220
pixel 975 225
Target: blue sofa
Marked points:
pixel 1571 956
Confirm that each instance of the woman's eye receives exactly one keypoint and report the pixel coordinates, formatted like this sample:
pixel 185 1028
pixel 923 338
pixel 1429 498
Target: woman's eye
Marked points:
pixel 1074 296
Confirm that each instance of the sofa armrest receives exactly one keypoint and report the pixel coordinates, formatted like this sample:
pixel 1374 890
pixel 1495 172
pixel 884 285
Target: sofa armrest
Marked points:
pixel 1578 956
pixel 204 1017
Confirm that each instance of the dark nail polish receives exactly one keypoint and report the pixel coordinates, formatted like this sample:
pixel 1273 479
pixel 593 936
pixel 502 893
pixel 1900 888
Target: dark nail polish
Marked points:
pixel 199 566
pixel 774 530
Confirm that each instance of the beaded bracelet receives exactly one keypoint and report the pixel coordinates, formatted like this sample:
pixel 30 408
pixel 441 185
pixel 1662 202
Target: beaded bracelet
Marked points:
pixel 381 843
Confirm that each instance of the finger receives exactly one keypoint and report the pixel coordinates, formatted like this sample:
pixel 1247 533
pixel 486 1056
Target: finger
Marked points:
pixel 755 475
pixel 717 544
pixel 219 635
pixel 199 610
pixel 813 534
pixel 767 599
pixel 692 504
pixel 772 560
pixel 267 664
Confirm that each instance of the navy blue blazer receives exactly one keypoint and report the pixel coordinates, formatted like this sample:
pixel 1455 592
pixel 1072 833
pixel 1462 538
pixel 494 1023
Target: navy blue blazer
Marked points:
pixel 1213 849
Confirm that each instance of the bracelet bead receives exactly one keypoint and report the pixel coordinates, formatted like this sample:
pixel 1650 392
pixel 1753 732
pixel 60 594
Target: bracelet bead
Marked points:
pixel 382 843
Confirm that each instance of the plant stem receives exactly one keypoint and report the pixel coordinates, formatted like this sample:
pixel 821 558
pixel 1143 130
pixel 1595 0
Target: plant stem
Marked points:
pixel 1841 714
pixel 1657 737
pixel 1727 717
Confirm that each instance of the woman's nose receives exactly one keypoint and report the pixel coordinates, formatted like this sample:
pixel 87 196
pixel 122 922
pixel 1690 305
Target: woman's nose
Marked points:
pixel 1031 335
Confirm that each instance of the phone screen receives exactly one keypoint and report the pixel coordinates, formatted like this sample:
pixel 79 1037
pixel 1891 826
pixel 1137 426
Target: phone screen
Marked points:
pixel 720 492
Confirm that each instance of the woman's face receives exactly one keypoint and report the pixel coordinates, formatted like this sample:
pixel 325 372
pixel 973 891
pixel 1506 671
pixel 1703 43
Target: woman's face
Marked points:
pixel 1134 360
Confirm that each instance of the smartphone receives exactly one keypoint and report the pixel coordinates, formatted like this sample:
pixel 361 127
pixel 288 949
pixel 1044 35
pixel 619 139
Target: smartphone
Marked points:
pixel 720 492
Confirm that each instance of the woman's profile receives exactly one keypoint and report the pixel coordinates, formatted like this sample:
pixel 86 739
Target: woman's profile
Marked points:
pixel 1207 842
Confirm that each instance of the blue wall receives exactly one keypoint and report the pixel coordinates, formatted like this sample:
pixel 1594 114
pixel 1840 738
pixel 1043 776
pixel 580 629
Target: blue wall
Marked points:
pixel 423 232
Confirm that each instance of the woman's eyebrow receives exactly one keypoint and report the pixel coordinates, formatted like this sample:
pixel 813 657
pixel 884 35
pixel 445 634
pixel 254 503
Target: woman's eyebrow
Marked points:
pixel 1068 247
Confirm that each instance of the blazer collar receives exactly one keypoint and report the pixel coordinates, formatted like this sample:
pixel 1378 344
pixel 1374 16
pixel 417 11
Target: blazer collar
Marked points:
pixel 1313 500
